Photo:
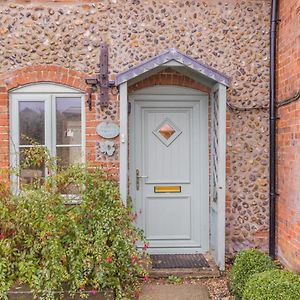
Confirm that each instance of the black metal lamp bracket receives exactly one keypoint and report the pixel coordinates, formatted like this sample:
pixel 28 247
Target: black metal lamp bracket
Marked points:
pixel 103 76
pixel 101 80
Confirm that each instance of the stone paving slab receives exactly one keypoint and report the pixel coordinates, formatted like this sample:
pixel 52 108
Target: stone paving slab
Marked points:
pixel 174 292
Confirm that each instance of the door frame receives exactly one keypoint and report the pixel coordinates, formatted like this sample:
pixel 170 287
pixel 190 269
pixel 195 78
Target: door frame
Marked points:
pixel 171 94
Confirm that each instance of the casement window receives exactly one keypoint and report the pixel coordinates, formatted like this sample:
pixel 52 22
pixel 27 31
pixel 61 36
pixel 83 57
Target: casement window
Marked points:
pixel 51 115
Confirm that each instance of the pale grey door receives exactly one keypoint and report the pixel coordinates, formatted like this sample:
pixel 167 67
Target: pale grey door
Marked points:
pixel 170 161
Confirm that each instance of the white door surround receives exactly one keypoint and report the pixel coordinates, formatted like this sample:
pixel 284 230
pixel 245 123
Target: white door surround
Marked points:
pixel 177 161
pixel 217 83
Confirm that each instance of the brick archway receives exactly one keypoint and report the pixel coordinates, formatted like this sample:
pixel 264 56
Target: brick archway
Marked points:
pixel 51 73
pixel 168 77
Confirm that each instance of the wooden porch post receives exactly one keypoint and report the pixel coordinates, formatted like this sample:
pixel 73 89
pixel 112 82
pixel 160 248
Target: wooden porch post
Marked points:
pixel 123 142
pixel 218 181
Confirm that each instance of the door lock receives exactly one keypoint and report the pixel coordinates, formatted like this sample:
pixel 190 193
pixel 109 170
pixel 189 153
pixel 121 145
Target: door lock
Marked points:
pixel 137 179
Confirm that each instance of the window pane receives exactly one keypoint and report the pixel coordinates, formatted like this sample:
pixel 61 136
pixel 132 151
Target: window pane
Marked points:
pixel 32 122
pixel 31 174
pixel 69 155
pixel 68 124
pixel 166 131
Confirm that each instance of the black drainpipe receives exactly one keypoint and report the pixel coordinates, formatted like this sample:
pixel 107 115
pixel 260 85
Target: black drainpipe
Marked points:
pixel 272 112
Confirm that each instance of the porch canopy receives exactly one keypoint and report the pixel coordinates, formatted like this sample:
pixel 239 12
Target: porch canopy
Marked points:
pixel 194 69
pixel 216 82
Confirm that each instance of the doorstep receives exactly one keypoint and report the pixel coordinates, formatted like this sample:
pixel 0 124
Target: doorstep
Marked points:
pixel 209 271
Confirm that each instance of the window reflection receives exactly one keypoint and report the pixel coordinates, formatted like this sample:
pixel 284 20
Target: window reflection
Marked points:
pixel 30 174
pixel 68 121
pixel 166 131
pixel 68 155
pixel 32 122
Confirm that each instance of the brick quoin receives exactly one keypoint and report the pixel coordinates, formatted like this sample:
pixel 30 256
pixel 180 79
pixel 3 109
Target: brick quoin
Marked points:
pixel 288 135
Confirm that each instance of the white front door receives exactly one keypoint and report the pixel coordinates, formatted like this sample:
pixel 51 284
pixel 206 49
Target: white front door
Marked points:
pixel 169 171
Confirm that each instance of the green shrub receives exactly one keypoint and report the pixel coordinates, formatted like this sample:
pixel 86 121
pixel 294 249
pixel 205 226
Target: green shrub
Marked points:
pixel 273 285
pixel 247 263
pixel 48 244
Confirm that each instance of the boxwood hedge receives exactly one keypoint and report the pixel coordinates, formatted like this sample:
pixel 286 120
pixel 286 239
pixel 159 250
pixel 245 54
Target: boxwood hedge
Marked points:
pixel 273 285
pixel 247 263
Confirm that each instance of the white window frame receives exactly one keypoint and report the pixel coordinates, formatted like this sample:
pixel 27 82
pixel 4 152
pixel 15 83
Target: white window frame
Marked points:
pixel 47 93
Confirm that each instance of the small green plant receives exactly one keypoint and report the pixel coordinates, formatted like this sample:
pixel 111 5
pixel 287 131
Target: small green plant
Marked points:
pixel 247 263
pixel 174 279
pixel 48 244
pixel 273 285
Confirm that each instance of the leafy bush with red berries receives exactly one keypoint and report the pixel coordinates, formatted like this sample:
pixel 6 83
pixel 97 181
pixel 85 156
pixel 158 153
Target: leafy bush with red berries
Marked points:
pixel 48 244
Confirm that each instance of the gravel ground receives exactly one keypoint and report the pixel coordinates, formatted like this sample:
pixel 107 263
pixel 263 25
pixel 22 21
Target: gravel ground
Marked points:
pixel 217 287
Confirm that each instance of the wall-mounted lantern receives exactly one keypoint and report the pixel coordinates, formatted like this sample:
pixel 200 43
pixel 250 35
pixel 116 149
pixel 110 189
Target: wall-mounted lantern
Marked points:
pixel 93 82
pixel 101 81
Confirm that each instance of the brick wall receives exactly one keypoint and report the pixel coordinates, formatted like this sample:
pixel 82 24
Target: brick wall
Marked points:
pixel 288 75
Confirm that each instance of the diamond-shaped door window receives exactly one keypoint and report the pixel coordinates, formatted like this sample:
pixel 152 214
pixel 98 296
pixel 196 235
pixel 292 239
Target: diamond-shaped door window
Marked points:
pixel 167 132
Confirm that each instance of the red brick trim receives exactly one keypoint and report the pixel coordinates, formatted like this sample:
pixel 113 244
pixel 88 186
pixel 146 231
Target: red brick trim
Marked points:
pixel 56 74
pixel 29 75
pixel 168 77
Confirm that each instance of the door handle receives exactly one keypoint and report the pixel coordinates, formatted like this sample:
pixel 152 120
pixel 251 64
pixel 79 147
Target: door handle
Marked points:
pixel 137 179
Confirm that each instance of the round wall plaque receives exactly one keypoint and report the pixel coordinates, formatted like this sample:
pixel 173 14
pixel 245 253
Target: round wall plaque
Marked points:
pixel 108 130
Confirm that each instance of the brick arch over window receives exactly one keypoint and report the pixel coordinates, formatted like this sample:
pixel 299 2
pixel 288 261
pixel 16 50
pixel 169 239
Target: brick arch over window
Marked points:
pixel 168 77
pixel 37 74
pixel 54 74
